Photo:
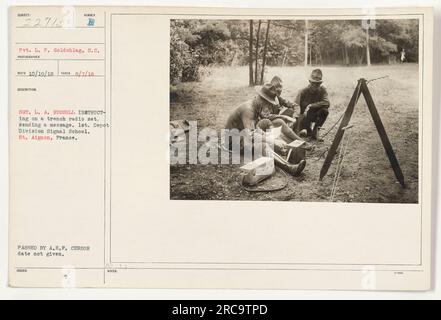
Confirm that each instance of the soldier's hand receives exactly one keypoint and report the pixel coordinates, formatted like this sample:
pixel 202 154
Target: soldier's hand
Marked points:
pixel 311 107
pixel 288 118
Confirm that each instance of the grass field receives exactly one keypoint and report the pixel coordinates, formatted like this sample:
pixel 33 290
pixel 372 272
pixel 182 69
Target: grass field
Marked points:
pixel 366 174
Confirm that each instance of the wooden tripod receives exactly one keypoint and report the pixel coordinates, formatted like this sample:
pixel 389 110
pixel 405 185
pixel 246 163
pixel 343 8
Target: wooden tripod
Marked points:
pixel 363 88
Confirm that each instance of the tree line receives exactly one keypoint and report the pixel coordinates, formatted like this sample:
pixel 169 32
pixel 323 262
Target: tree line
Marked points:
pixel 197 44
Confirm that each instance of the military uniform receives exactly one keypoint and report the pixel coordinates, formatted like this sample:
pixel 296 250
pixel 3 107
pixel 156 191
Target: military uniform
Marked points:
pixel 284 107
pixel 247 116
pixel 244 117
pixel 318 100
pixel 316 97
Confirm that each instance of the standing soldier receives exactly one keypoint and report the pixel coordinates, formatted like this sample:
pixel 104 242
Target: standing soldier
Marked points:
pixel 314 101
pixel 403 56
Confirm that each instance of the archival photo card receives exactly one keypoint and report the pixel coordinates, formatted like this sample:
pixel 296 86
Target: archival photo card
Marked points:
pixel 236 148
pixel 345 94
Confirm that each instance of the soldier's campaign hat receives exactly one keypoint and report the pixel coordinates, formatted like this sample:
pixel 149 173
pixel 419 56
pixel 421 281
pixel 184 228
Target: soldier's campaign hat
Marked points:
pixel 276 80
pixel 316 76
pixel 269 93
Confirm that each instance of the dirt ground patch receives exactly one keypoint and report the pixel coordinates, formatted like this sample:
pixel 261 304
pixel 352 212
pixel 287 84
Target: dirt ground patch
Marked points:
pixel 366 175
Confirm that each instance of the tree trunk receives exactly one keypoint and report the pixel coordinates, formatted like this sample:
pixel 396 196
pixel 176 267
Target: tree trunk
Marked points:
pixel 306 43
pixel 257 51
pixel 343 60
pixel 284 57
pixel 368 53
pixel 286 50
pixel 316 55
pixel 265 48
pixel 347 62
pixel 360 56
pixel 233 60
pixel 250 55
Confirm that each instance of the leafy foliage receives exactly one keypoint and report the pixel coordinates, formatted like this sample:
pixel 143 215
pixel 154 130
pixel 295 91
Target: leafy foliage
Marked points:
pixel 196 44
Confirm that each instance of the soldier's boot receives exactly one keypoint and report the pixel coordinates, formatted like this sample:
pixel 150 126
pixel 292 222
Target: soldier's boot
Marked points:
pixel 292 169
pixel 307 125
pixel 315 131
pixel 308 130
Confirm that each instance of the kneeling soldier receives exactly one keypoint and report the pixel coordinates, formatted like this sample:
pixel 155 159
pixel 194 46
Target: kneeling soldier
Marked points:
pixel 247 116
pixel 315 102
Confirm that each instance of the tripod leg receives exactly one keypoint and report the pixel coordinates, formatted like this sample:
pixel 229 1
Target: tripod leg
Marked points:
pixel 339 135
pixel 383 135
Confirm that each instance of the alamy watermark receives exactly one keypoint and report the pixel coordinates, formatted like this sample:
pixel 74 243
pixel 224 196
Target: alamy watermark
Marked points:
pixel 224 146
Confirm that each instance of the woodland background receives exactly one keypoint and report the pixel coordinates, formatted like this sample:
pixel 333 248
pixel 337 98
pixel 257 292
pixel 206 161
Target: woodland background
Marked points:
pixel 196 45
pixel 216 64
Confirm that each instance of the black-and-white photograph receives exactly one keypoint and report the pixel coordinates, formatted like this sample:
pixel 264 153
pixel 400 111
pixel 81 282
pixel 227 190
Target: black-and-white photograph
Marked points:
pixel 295 110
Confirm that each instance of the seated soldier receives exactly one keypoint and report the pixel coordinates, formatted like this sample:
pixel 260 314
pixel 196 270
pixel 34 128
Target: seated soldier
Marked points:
pixel 285 109
pixel 314 101
pixel 288 134
pixel 269 112
pixel 246 117
pixel 265 126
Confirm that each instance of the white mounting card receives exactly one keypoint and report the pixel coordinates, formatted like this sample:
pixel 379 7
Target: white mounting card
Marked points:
pixel 129 125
